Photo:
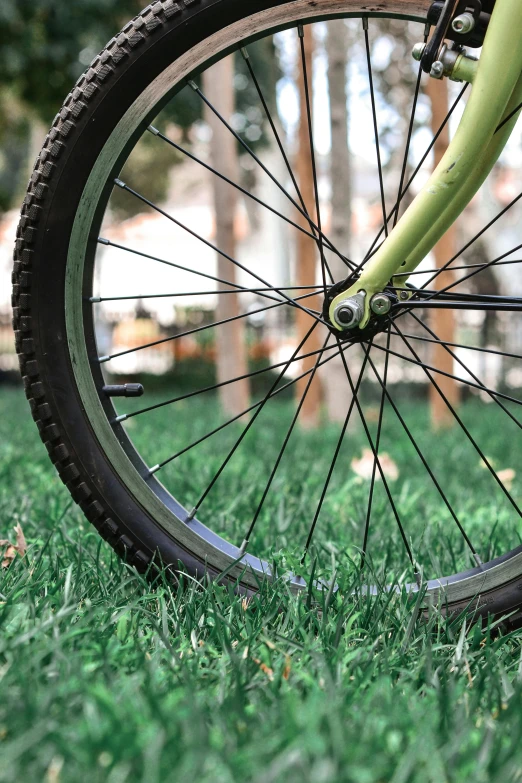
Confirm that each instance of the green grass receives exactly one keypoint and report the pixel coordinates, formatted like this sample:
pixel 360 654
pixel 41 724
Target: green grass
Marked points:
pixel 282 527
pixel 107 678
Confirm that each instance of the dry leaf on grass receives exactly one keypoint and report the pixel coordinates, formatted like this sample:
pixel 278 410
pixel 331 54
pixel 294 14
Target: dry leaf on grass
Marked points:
pixel 12 550
pixel 264 668
pixel 364 466
pixel 54 770
pixel 507 476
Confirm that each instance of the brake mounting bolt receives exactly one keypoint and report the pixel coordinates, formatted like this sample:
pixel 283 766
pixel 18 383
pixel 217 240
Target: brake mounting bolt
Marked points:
pixel 464 23
pixel 380 304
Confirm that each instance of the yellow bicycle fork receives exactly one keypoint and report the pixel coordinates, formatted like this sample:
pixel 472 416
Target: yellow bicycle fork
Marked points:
pixel 496 93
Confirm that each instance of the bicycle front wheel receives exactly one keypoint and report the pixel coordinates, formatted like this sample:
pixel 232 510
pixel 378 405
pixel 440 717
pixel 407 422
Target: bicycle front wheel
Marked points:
pixel 226 481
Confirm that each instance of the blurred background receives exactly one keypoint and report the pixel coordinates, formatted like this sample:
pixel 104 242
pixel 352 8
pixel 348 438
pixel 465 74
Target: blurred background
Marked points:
pixel 44 47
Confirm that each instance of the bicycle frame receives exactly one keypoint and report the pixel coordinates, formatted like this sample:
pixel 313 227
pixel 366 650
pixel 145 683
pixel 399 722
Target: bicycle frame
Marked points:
pixel 475 148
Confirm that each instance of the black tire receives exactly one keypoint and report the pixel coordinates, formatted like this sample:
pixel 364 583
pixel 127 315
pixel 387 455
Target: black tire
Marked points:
pixel 41 248
pixel 160 34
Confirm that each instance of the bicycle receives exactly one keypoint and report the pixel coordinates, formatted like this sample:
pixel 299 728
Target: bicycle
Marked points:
pixel 160 52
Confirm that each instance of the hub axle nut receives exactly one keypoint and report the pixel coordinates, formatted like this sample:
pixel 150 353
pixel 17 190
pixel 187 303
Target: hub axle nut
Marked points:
pixel 348 313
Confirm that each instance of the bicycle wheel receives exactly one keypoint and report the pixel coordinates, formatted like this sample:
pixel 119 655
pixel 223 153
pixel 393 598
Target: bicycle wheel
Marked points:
pixel 261 483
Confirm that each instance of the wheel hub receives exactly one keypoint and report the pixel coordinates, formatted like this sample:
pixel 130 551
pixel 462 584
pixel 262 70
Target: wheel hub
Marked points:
pixel 349 312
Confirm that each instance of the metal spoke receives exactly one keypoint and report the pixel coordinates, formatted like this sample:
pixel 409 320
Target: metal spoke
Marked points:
pixel 276 182
pixel 188 395
pixel 247 428
pixel 410 130
pixel 475 271
pixel 376 458
pixel 397 204
pixel 426 367
pixel 460 422
pixel 457 268
pixel 104 359
pixel 377 445
pixel 239 288
pixel 313 371
pixel 324 266
pixel 422 457
pixel 477 299
pixel 235 185
pixel 374 116
pixel 222 253
pixel 281 296
pixel 246 411
pixel 334 460
pixel 435 294
pixel 279 143
pixel 509 117
pixel 470 372
pixel 460 345
pixel 433 303
pixel 471 242
pixel 216 291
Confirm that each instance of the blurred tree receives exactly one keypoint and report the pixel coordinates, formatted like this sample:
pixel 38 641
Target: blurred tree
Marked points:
pixel 306 247
pixel 45 45
pixel 231 349
pixel 14 136
pixel 338 43
pixel 442 321
pixel 395 75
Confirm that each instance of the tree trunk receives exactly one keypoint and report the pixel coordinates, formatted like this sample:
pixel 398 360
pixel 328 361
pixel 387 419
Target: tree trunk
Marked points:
pixel 442 321
pixel 336 387
pixel 306 259
pixel 231 352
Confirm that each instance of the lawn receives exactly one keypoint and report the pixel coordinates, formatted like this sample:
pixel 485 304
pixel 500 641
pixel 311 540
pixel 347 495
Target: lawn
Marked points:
pixel 105 677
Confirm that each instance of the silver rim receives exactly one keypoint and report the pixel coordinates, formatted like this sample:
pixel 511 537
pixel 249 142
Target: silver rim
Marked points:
pixel 200 540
